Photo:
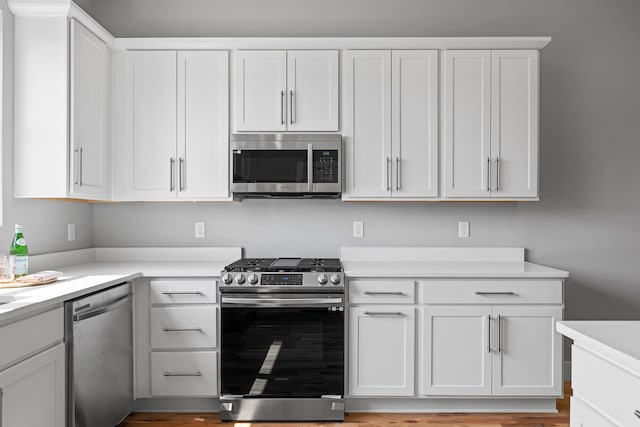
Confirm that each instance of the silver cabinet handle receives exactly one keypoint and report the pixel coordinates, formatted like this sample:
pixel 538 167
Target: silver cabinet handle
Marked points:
pixel 497 173
pixel 383 293
pixel 282 107
pixel 182 329
pixel 489 335
pixel 488 173
pixel 172 163
pixel 384 313
pixel 78 179
pixel 1 396
pixel 182 293
pixel 397 173
pixel 636 412
pixel 182 174
pixel 499 333
pixel 185 374
pixel 291 109
pixel 81 157
pixel 495 293
pixel 388 173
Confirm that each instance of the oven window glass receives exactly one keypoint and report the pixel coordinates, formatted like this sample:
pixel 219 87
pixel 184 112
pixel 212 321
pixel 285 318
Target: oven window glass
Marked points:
pixel 269 166
pixel 282 352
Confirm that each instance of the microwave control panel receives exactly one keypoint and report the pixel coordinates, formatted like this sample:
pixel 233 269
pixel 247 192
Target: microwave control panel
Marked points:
pixel 325 166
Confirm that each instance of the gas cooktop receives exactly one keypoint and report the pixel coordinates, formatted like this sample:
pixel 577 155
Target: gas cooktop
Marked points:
pixel 255 265
pixel 286 274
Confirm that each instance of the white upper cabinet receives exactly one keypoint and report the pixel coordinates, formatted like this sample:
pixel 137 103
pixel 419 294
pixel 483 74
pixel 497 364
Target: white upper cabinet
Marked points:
pixel 490 125
pixel 174 125
pixel 62 85
pixel 90 85
pixel 514 122
pixel 390 117
pixel 367 123
pixel 414 124
pixel 278 91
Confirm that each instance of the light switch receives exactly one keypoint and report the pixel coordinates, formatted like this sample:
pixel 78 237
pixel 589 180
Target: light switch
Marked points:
pixel 463 229
pixel 71 232
pixel 358 229
pixel 200 230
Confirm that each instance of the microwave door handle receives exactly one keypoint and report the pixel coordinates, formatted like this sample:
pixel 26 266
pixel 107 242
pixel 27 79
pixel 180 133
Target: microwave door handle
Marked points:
pixel 310 168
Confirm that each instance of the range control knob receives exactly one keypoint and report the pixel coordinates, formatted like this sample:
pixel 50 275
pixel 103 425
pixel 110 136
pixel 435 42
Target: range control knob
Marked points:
pixel 253 278
pixel 322 279
pixel 335 279
pixel 227 279
pixel 240 279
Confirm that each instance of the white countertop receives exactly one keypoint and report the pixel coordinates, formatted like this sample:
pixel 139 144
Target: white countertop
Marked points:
pixel 87 277
pixel 614 339
pixel 450 269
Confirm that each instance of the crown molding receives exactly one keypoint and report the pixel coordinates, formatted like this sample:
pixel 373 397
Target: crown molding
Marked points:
pixel 39 7
pixel 231 43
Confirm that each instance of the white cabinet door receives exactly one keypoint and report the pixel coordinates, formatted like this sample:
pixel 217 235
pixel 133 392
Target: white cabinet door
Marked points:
pixel 260 84
pixel 528 356
pixel 149 154
pixel 457 351
pixel 367 123
pixel 32 393
pixel 466 125
pixel 89 127
pixel 514 122
pixel 583 415
pixel 203 129
pixel 312 90
pixel 415 123
pixel 381 351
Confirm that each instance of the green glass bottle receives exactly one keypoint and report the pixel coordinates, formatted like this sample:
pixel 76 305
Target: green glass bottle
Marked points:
pixel 20 250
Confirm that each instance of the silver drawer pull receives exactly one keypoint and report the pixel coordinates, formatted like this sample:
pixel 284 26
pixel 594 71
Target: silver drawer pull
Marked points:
pixel 185 374
pixel 636 413
pixel 182 293
pixel 383 293
pixel 494 293
pixel 182 329
pixel 383 313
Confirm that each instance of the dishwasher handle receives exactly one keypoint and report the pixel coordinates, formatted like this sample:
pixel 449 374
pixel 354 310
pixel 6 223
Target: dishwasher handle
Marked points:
pixel 113 305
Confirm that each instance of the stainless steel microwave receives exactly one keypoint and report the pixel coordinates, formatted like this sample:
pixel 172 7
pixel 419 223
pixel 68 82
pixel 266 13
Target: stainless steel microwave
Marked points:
pixel 286 165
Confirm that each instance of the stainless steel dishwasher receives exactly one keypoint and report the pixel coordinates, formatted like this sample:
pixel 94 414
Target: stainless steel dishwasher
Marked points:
pixel 99 337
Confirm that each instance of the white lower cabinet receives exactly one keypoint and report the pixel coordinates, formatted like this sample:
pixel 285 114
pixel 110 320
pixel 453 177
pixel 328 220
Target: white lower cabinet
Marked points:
pixel 499 351
pixel 32 393
pixel 381 348
pixel 177 337
pixel 583 415
pixel 184 374
pixel 457 357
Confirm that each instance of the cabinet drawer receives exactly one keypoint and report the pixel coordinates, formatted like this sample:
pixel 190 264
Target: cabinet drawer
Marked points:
pixel 382 291
pixel 30 335
pixel 583 415
pixel 183 291
pixel 491 292
pixel 183 327
pixel 610 389
pixel 184 374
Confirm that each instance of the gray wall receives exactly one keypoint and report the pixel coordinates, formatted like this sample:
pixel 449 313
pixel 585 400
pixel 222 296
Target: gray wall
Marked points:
pixel 45 221
pixel 588 219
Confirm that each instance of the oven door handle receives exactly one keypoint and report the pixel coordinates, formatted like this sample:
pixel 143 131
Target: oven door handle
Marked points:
pixel 281 302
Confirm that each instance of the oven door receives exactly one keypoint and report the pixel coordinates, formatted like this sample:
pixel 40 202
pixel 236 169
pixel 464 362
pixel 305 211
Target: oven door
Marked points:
pixel 282 345
pixel 268 167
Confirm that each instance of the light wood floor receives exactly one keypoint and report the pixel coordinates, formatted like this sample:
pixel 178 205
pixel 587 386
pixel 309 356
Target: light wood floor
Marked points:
pixel 561 419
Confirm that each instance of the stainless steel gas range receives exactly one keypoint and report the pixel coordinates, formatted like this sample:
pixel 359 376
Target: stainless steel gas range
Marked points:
pixel 282 340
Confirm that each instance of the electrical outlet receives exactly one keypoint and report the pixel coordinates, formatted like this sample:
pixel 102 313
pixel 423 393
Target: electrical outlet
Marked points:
pixel 463 229
pixel 71 232
pixel 358 229
pixel 200 230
